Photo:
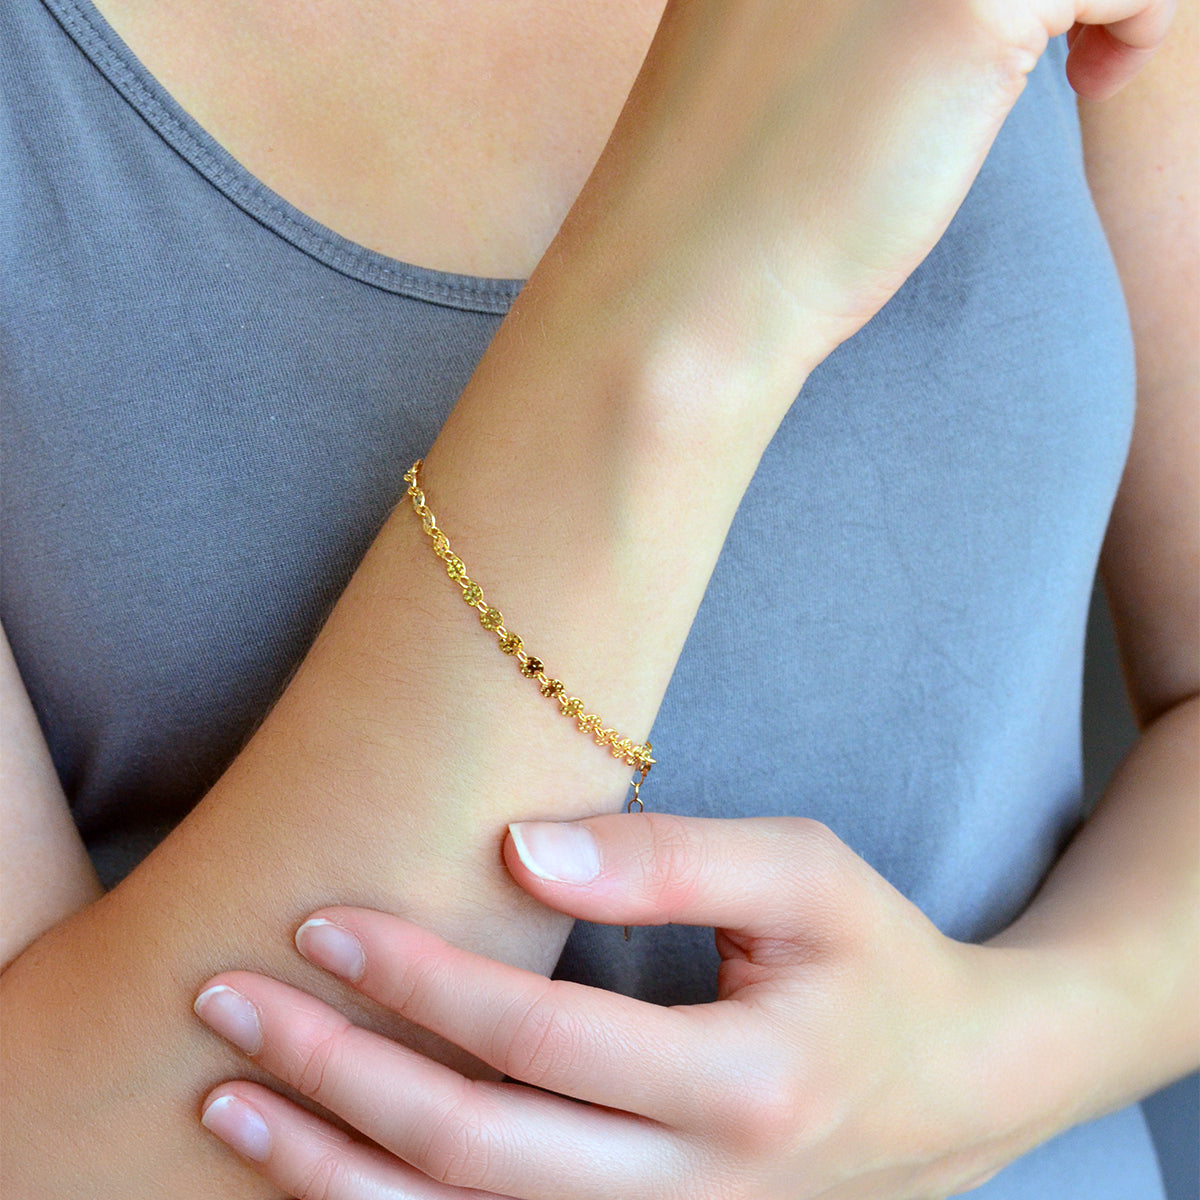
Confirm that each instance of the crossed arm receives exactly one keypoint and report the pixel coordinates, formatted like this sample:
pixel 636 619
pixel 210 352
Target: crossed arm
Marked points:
pixel 1118 907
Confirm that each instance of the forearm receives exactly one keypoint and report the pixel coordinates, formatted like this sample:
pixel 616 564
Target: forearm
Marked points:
pixel 388 769
pixel 1107 958
pixel 587 478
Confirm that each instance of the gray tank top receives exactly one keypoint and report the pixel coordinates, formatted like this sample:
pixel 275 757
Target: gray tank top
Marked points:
pixel 209 400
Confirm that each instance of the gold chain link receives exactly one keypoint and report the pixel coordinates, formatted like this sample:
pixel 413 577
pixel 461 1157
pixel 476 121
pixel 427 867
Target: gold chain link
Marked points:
pixel 632 753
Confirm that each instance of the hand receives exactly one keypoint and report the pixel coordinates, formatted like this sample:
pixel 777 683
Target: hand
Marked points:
pixel 853 1051
pixel 779 169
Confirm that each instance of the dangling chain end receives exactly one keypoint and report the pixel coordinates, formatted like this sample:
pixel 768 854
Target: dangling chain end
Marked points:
pixel 635 804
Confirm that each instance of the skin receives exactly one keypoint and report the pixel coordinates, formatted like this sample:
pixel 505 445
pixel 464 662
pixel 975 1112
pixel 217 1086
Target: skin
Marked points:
pixel 606 1050
pixel 1104 958
pixel 338 115
pixel 46 874
pixel 799 1081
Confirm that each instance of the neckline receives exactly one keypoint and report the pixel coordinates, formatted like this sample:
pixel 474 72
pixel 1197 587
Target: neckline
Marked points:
pixel 103 47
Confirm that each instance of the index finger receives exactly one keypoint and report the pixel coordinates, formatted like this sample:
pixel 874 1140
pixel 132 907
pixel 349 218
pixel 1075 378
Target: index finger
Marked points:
pixel 578 1041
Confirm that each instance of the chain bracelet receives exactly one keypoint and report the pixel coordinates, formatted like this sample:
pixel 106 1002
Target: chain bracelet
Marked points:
pixel 634 754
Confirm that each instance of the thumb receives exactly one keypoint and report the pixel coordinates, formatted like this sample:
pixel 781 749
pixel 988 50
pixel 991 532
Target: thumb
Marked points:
pixel 756 875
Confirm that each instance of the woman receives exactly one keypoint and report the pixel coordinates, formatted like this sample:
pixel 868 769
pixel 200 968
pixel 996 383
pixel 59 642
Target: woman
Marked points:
pixel 214 210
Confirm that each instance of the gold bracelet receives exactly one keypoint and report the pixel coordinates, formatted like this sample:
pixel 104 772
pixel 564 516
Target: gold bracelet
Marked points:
pixel 630 752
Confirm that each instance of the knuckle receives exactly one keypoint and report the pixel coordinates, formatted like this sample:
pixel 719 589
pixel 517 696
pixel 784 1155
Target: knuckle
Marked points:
pixel 839 890
pixel 1015 34
pixel 815 834
pixel 456 1149
pixel 676 864
pixel 411 984
pixel 318 1060
pixel 776 1116
pixel 320 1179
pixel 540 1041
pixel 824 856
pixel 770 1126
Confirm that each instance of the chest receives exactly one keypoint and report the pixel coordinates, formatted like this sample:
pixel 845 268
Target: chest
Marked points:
pixel 207 411
pixel 453 135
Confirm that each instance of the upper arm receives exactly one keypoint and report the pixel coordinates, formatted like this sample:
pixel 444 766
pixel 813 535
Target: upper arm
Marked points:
pixel 45 874
pixel 1144 168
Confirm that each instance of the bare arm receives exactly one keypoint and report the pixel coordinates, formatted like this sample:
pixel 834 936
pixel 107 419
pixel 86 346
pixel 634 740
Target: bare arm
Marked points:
pixel 585 453
pixel 386 772
pixel 1121 906
pixel 878 1056
pixel 605 440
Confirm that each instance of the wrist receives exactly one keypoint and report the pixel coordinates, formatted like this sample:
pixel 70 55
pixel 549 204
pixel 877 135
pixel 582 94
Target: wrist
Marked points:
pixel 1053 1052
pixel 595 459
pixel 723 354
pixel 697 344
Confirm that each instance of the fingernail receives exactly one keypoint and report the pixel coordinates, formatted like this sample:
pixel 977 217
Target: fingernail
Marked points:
pixel 231 1015
pixel 239 1126
pixel 331 948
pixel 562 853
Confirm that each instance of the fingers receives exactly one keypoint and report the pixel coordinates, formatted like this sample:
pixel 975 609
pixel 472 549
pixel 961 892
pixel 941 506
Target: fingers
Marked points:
pixel 782 878
pixel 308 1158
pixel 1099 64
pixel 1142 24
pixel 494 1137
pixel 1108 48
pixel 582 1042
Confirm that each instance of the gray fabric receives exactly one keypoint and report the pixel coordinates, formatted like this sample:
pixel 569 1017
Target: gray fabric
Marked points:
pixel 209 399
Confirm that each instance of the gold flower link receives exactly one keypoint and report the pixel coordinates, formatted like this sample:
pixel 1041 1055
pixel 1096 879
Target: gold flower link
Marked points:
pixel 510 643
